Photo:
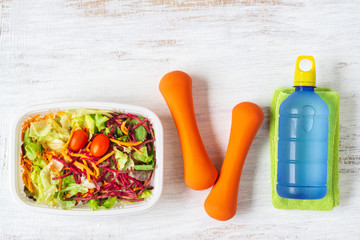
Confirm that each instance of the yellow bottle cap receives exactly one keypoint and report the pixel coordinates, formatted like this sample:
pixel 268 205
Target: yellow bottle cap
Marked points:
pixel 304 76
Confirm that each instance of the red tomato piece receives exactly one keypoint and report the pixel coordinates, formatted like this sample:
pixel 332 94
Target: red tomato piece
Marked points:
pixel 99 145
pixel 78 140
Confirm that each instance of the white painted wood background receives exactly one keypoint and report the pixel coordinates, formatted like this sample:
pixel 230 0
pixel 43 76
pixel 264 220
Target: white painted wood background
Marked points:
pixel 107 50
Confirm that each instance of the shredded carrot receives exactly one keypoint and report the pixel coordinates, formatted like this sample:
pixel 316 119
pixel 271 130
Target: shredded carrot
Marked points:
pixel 21 159
pixel 68 141
pixel 28 161
pixel 80 155
pixel 53 120
pixel 92 190
pixel 52 167
pixel 67 195
pixel 97 171
pixel 27 181
pixel 84 161
pixel 26 124
pixel 137 150
pixel 137 188
pixel 82 166
pixel 128 144
pixel 88 147
pixel 104 157
pixel 58 173
pixel 66 157
pixel 59 113
pixel 124 129
pixel 88 176
pixel 118 166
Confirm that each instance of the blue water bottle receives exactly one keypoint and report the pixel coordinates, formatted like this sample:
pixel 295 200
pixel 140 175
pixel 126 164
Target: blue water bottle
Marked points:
pixel 303 138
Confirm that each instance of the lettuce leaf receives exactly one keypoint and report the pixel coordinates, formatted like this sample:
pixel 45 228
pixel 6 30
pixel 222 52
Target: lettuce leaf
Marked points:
pixel 35 176
pixel 48 136
pixel 68 179
pixel 145 194
pixel 145 167
pixel 27 138
pixel 144 156
pixel 41 130
pixel 94 204
pixel 121 158
pixel 32 150
pixel 49 186
pixel 78 122
pixel 109 203
pixel 74 188
pixel 140 132
pixel 65 204
pixel 100 121
pixel 56 145
pixel 65 122
pixel 107 131
pixel 40 163
pixel 90 124
pixel 123 138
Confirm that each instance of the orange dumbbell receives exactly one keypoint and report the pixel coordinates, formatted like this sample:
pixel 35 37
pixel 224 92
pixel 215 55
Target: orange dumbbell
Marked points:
pixel 199 172
pixel 221 203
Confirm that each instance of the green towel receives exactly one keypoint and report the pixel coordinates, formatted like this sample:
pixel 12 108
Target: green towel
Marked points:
pixel 332 196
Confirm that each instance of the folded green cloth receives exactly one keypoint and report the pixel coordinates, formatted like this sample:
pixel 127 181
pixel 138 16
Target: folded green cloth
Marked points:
pixel 332 196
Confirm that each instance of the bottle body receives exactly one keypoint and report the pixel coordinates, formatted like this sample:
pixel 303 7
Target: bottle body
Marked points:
pixel 303 145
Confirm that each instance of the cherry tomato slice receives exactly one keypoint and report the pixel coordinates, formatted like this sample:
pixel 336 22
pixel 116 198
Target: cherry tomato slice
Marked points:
pixel 99 145
pixel 78 140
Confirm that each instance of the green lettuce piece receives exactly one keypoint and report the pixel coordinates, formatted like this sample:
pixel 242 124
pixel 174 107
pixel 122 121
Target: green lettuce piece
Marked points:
pixel 109 203
pixel 100 121
pixel 121 158
pixel 40 163
pixel 90 124
pixel 32 150
pixel 145 194
pixel 65 204
pixel 119 132
pixel 74 188
pixel 70 186
pixel 41 130
pixel 140 132
pixel 144 156
pixel 45 134
pixel 27 138
pixel 64 136
pixel 65 122
pixel 94 204
pixel 56 145
pixel 68 179
pixel 145 167
pixel 78 122
pixel 123 138
pixel 49 185
pixel 35 176
pixel 107 131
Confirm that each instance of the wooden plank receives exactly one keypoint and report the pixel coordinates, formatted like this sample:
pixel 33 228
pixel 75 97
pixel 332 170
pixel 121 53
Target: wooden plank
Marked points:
pixel 108 50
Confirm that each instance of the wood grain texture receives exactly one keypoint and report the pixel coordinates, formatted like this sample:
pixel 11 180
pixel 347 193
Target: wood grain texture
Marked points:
pixel 107 50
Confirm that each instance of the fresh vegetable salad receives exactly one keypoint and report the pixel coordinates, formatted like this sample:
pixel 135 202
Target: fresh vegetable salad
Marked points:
pixel 86 156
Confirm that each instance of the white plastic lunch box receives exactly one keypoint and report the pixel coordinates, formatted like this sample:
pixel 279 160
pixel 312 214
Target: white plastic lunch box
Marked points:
pixel 16 184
